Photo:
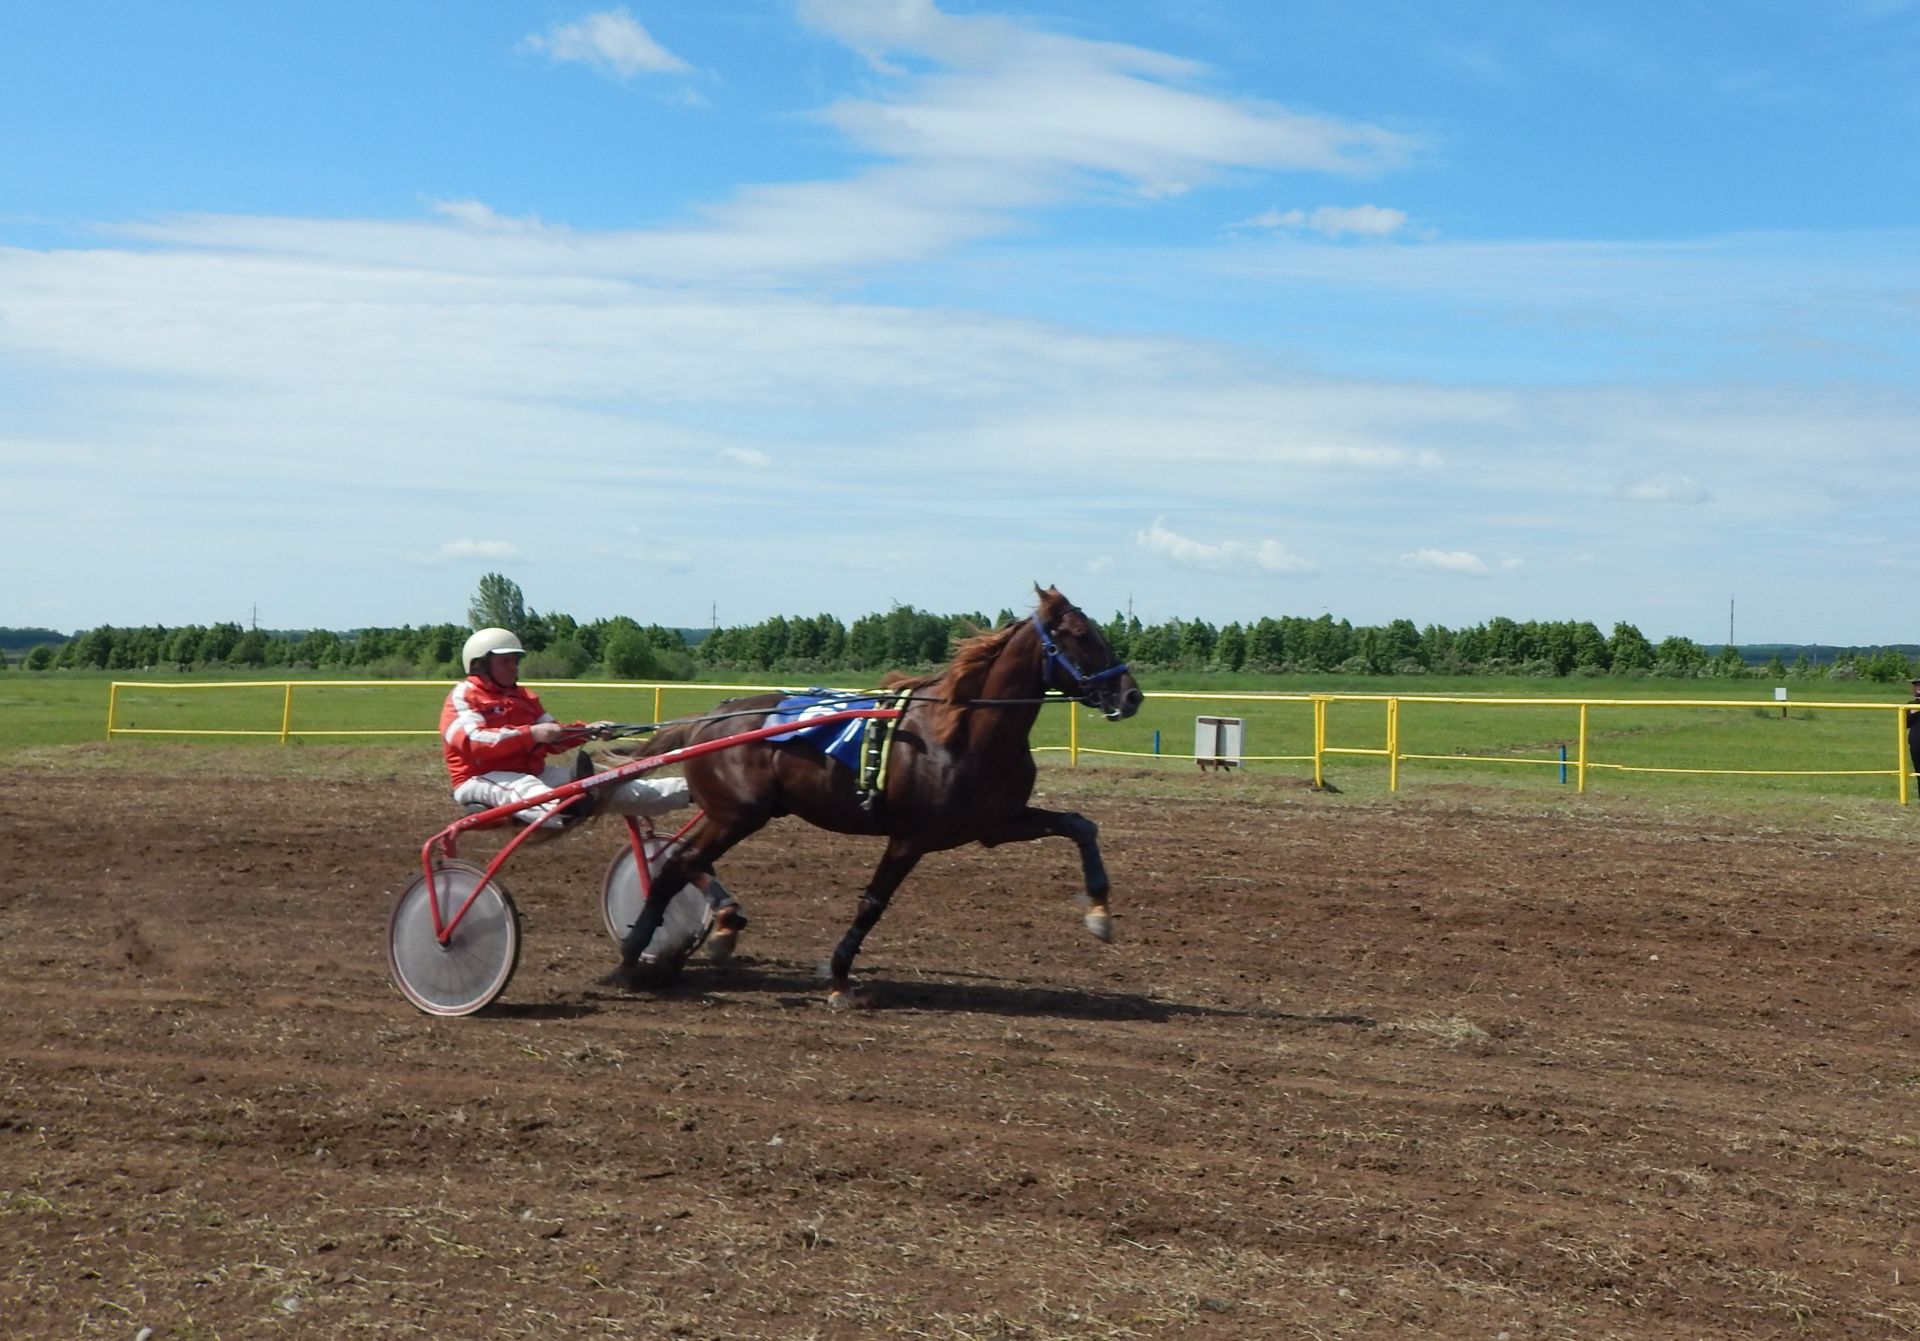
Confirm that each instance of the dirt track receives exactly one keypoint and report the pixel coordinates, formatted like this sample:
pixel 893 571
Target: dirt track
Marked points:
pixel 1425 1067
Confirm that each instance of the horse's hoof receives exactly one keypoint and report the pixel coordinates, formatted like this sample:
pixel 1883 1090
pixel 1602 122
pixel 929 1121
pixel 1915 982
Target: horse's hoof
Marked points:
pixel 621 978
pixel 848 998
pixel 643 975
pixel 724 939
pixel 1100 923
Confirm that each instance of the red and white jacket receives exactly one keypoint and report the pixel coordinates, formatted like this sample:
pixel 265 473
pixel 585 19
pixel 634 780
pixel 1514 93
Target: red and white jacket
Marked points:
pixel 487 729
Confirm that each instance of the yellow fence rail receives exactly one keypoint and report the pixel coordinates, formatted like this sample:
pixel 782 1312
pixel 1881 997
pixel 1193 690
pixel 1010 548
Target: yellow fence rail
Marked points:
pixel 1581 763
pixel 286 731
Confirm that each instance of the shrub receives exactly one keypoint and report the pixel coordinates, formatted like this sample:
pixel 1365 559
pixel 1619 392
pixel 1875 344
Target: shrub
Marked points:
pixel 629 656
pixel 390 668
pixel 553 663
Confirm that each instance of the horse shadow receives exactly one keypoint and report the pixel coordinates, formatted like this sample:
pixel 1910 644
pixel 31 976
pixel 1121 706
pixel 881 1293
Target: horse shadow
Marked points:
pixel 798 986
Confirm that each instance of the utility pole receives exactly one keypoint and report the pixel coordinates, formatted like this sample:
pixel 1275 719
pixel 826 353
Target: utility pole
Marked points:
pixel 1729 621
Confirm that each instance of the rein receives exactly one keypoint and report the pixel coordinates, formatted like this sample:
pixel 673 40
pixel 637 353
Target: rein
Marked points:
pixel 1055 659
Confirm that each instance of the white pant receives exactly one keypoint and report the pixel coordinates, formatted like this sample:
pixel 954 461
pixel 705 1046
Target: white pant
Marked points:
pixel 635 796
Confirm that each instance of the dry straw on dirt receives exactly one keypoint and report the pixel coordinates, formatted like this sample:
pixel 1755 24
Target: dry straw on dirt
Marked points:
pixel 1434 1067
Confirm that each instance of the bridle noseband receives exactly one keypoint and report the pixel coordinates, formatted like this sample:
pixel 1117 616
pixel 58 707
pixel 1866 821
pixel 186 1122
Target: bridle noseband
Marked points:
pixel 1086 687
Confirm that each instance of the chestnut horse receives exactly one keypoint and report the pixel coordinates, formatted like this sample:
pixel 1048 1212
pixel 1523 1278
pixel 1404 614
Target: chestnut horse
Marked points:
pixel 960 772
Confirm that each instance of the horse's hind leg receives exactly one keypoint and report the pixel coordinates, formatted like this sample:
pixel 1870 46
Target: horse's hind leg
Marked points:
pixel 1034 822
pixel 895 865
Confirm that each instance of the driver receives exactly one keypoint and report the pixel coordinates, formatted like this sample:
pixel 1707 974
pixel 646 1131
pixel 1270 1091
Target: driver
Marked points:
pixel 498 738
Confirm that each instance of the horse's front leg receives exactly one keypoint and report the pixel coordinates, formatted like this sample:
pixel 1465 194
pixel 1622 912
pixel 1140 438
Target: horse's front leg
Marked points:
pixel 895 865
pixel 1034 822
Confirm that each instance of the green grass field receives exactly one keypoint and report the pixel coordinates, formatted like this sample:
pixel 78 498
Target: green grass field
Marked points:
pixel 1835 750
pixel 1813 748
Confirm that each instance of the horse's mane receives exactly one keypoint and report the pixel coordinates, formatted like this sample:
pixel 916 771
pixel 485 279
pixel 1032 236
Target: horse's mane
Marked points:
pixel 961 678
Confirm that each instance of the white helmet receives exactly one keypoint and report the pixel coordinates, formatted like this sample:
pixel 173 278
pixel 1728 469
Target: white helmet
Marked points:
pixel 485 643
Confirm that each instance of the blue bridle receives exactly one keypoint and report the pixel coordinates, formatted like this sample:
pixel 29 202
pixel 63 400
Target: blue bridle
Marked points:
pixel 1083 683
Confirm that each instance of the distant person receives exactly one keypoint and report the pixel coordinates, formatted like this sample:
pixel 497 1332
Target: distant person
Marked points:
pixel 1913 729
pixel 497 739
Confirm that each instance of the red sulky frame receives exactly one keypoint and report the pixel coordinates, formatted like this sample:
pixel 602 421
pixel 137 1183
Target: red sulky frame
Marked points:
pixel 444 843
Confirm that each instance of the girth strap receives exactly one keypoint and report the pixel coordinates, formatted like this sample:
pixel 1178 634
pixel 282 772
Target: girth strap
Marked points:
pixel 876 750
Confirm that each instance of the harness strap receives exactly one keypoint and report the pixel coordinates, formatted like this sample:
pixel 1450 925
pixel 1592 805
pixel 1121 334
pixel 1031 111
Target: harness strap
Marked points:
pixel 1055 657
pixel 876 749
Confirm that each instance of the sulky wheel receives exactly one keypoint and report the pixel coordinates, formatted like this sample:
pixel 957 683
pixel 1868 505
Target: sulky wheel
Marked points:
pixel 477 961
pixel 620 893
pixel 688 921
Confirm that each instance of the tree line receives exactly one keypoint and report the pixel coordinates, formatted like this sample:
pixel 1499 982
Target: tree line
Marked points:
pixel 560 647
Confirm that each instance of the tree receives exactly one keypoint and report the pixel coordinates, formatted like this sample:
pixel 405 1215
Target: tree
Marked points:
pixel 250 650
pixel 498 604
pixel 1631 650
pixel 629 654
pixel 1677 655
pixel 1590 648
pixel 1887 665
pixel 1230 648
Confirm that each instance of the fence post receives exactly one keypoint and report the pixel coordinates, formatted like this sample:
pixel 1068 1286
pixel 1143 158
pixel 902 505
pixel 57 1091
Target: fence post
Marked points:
pixel 1073 737
pixel 1900 750
pixel 1582 768
pixel 658 690
pixel 286 714
pixel 113 701
pixel 1319 741
pixel 1393 744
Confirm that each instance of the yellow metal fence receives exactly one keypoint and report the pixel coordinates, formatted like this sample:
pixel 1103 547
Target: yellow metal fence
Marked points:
pixel 1580 762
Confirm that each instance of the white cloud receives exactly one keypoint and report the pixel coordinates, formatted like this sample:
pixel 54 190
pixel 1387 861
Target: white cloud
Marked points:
pixel 481 217
pixel 1267 556
pixel 1665 489
pixel 1035 104
pixel 1448 561
pixel 477 549
pixel 744 456
pixel 610 41
pixel 1009 119
pixel 1334 221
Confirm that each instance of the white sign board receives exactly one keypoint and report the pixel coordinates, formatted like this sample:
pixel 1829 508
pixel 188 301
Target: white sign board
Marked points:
pixel 1218 741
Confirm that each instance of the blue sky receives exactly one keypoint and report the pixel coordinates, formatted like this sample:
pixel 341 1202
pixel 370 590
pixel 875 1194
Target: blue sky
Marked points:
pixel 1232 308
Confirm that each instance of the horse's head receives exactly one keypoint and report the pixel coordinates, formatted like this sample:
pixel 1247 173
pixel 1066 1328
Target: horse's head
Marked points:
pixel 1078 661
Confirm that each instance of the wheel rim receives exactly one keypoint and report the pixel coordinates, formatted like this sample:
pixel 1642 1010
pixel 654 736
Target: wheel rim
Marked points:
pixel 475 965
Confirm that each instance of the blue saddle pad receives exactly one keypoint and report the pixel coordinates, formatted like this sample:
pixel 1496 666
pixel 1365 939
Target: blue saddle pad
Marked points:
pixel 836 740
